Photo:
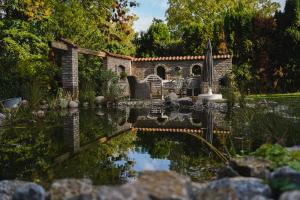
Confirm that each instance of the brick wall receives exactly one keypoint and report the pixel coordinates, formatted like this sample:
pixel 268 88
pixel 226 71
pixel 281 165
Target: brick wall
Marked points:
pixel 70 72
pixel 141 69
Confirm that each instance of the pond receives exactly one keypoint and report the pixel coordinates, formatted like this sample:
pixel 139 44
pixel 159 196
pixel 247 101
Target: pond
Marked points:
pixel 111 146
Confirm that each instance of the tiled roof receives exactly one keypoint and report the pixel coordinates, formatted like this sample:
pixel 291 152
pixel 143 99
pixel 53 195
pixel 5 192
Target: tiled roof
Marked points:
pixel 175 58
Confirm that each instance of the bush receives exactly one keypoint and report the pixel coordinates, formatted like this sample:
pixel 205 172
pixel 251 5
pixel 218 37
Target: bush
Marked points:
pixel 279 156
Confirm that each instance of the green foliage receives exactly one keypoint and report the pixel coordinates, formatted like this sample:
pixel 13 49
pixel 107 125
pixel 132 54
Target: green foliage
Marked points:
pixel 279 156
pixel 27 26
pixel 156 41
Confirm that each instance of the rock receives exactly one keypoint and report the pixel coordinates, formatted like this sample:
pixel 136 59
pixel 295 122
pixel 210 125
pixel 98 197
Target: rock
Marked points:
pixel 30 191
pixel 186 101
pixel 100 100
pixel 7 189
pixel 70 188
pixel 251 167
pixel 294 148
pixel 292 195
pixel 39 114
pixel 227 172
pixel 165 185
pixel 24 103
pixel 128 191
pixel 238 188
pixel 286 174
pixel 73 104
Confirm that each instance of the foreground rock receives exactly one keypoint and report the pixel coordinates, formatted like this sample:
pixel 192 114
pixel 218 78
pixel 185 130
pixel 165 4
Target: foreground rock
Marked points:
pixel 29 191
pixel 149 186
pixel 8 188
pixel 239 188
pixel 70 188
pixel 293 195
pixel 251 167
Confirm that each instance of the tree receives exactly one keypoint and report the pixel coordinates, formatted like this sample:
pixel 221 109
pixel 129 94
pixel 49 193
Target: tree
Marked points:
pixel 154 42
pixel 27 27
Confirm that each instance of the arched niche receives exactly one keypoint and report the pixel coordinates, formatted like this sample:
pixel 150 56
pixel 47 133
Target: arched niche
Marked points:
pixel 196 70
pixel 160 70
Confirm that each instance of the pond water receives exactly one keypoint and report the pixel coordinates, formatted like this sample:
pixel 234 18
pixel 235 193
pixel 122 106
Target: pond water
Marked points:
pixel 113 146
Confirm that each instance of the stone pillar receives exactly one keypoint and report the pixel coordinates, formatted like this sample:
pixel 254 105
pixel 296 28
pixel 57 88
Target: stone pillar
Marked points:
pixel 70 72
pixel 72 131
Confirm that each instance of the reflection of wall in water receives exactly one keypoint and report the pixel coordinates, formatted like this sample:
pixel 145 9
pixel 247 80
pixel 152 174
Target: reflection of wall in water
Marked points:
pixel 72 131
pixel 175 119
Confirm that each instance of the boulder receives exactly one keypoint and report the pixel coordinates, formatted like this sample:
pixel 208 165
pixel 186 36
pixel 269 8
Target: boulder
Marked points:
pixel 238 188
pixel 29 191
pixel 294 148
pixel 8 188
pixel 165 185
pixel 100 100
pixel 128 191
pixel 286 174
pixel 186 101
pixel 73 104
pixel 291 195
pixel 251 167
pixel 24 103
pixel 70 188
pixel 227 172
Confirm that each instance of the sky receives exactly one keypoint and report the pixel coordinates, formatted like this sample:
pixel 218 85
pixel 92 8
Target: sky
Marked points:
pixel 150 9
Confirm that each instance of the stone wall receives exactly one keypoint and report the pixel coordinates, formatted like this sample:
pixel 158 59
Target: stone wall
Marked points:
pixel 112 63
pixel 141 69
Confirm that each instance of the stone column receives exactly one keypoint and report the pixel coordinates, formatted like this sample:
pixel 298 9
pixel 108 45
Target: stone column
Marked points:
pixel 70 72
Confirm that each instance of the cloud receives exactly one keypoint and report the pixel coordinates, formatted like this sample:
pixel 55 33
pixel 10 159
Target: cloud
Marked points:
pixel 143 23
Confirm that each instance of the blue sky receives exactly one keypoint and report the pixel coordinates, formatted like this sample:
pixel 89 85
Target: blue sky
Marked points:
pixel 150 9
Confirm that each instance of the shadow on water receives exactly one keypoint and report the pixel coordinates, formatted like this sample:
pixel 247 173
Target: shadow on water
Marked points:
pixel 113 146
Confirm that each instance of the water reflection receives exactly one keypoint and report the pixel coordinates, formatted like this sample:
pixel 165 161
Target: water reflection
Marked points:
pixel 113 146
pixel 71 130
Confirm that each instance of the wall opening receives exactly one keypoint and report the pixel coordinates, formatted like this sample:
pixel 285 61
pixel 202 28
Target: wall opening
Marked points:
pixel 196 70
pixel 161 72
pixel 121 72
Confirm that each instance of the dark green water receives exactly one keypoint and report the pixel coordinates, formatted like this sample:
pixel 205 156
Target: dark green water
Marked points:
pixel 100 145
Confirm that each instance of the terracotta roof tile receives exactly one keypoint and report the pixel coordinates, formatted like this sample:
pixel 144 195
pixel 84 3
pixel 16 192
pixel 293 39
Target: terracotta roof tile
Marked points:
pixel 174 58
